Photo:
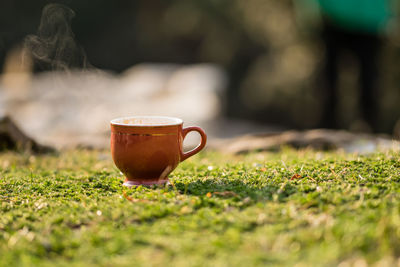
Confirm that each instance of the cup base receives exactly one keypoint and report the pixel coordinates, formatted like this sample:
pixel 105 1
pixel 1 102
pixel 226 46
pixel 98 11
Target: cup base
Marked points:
pixel 128 183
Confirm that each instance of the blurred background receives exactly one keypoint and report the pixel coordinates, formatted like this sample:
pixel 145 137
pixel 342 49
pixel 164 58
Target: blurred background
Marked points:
pixel 234 66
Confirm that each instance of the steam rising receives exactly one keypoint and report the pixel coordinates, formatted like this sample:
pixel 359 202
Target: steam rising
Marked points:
pixel 54 46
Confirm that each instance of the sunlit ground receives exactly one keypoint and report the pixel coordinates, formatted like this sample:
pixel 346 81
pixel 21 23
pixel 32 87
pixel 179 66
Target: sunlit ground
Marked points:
pixel 286 208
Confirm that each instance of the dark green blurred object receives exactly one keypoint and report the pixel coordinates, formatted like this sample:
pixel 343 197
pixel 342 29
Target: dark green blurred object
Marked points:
pixel 360 15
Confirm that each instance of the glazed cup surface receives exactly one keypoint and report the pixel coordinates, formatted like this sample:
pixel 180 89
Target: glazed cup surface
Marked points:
pixel 146 149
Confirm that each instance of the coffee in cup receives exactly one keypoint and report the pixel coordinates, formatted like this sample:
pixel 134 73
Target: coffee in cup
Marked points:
pixel 146 149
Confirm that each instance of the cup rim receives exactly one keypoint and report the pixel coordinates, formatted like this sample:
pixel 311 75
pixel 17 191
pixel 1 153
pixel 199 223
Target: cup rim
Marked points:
pixel 175 121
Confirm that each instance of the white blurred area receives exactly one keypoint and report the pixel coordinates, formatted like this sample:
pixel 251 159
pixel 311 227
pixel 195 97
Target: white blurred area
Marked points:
pixel 74 108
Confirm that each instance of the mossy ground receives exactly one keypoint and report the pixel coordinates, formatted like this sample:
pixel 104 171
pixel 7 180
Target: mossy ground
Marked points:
pixel 292 207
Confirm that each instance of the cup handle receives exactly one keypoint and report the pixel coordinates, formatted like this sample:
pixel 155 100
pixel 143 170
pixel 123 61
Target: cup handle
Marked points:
pixel 185 131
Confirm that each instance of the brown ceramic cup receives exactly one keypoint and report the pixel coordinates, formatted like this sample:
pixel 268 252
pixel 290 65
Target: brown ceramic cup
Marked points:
pixel 148 148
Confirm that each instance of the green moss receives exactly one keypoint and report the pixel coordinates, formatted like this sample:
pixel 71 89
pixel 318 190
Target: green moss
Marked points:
pixel 221 210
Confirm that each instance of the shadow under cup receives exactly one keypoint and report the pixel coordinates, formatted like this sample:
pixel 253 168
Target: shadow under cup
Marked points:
pixel 146 149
